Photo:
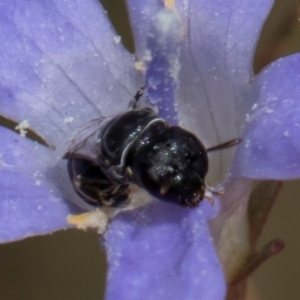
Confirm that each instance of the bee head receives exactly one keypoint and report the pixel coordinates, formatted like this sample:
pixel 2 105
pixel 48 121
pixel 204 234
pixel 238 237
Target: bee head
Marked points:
pixel 172 168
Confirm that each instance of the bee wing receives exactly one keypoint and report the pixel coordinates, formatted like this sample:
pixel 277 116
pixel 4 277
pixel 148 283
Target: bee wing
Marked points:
pixel 84 140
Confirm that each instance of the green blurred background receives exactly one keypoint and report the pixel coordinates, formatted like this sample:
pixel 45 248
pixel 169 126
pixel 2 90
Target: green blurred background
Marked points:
pixel 71 265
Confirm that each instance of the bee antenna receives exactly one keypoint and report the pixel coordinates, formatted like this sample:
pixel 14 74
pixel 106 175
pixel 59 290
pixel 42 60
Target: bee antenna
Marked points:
pixel 225 145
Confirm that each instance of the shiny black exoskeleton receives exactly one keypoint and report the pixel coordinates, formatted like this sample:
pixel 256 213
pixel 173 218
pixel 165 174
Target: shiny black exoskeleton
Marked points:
pixel 138 147
pixel 93 186
pixel 167 161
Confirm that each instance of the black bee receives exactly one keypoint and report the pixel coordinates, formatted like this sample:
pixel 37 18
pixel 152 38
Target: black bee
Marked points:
pixel 138 147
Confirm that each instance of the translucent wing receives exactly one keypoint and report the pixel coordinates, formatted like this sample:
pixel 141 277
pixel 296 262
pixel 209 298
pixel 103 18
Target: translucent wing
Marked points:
pixel 84 141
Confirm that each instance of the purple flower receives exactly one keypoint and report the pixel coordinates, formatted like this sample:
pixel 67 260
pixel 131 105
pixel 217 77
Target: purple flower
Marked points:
pixel 63 65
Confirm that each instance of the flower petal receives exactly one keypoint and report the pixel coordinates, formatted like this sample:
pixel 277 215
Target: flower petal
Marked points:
pixel 30 203
pixel 216 66
pixel 163 252
pixel 216 71
pixel 61 66
pixel 271 145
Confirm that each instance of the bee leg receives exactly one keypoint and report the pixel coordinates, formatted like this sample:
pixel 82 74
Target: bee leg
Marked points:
pixel 210 192
pixel 134 102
